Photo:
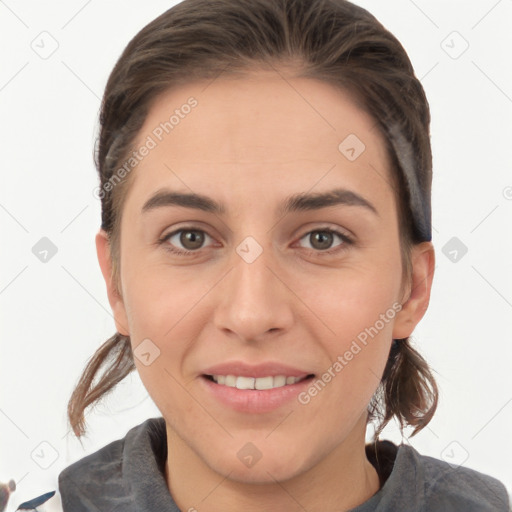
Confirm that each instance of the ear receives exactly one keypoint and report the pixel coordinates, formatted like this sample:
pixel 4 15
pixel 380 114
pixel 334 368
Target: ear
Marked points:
pixel 114 296
pixel 418 290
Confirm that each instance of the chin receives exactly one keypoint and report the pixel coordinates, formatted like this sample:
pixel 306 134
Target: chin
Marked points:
pixel 251 466
pixel 260 476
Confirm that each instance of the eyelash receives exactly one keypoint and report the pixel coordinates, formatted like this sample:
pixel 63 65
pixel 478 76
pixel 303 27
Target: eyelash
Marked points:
pixel 347 241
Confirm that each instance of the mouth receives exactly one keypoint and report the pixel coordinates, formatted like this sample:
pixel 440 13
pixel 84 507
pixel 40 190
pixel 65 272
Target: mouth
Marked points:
pixel 255 395
pixel 254 388
pixel 256 383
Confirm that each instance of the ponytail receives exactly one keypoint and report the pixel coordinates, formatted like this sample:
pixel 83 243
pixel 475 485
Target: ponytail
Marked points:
pixel 115 358
pixel 407 390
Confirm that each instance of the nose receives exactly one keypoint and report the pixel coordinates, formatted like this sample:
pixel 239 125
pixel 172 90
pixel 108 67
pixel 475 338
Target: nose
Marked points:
pixel 255 300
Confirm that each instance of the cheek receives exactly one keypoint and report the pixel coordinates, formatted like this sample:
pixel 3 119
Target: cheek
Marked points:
pixel 357 355
pixel 158 298
pixel 357 299
pixel 359 311
pixel 165 306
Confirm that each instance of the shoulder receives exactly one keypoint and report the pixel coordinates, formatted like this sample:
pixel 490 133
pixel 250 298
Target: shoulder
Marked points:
pixel 99 480
pixel 84 484
pixel 450 487
pixel 106 460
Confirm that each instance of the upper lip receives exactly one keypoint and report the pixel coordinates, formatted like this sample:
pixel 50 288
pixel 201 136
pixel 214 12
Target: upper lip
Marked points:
pixel 267 369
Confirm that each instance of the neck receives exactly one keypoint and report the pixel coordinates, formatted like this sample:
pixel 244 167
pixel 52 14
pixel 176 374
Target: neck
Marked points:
pixel 341 481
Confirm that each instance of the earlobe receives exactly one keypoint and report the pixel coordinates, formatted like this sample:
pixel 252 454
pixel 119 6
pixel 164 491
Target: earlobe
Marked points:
pixel 415 306
pixel 114 296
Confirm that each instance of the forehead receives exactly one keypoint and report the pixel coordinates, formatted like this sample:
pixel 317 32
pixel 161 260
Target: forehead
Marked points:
pixel 264 131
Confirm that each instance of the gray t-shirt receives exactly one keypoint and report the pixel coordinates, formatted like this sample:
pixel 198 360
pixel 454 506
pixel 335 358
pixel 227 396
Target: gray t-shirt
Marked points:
pixel 128 475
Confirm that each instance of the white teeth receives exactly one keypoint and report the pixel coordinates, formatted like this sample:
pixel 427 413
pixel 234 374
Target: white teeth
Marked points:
pixel 279 381
pixel 264 383
pixel 260 383
pixel 245 382
pixel 230 381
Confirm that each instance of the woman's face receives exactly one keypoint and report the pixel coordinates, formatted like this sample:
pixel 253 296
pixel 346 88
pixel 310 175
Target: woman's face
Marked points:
pixel 266 292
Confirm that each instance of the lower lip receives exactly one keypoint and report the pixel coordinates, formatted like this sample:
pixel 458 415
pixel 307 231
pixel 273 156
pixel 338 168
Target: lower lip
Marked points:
pixel 252 400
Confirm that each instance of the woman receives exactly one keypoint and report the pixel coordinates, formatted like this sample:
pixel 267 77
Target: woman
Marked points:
pixel 265 172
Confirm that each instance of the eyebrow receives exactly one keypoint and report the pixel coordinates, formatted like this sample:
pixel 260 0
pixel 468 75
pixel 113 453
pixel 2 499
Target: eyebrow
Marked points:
pixel 295 203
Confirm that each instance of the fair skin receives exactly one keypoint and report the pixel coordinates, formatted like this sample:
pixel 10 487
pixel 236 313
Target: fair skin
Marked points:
pixel 249 144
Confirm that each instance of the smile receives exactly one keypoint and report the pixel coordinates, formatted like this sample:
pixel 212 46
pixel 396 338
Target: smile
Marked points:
pixel 256 383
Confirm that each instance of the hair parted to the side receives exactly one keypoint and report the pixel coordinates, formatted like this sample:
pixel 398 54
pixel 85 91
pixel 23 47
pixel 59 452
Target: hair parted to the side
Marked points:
pixel 333 41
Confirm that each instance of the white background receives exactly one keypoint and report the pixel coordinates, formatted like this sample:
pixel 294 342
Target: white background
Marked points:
pixel 54 315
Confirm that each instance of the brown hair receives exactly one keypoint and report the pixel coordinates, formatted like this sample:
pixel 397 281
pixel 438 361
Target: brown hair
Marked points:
pixel 333 41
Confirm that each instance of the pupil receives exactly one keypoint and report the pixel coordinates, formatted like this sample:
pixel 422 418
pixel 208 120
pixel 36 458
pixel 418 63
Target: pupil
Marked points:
pixel 193 237
pixel 326 238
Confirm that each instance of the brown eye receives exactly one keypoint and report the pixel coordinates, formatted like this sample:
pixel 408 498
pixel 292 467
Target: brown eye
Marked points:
pixel 321 240
pixel 190 240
